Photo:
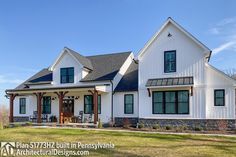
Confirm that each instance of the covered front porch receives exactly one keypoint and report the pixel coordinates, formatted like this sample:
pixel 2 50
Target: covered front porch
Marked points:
pixel 62 105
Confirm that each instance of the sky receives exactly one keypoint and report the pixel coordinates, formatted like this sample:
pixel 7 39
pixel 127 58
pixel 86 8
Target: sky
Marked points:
pixel 33 33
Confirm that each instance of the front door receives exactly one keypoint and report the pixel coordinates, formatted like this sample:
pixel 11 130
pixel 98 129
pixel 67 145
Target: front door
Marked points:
pixel 68 107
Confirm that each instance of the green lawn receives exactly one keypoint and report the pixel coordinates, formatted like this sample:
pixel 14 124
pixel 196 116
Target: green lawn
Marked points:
pixel 130 144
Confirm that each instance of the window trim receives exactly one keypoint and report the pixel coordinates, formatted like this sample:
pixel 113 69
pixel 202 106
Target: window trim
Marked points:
pixel 50 105
pixel 67 76
pixel 176 103
pixel 20 105
pixel 93 104
pixel 125 112
pixel 216 90
pixel 165 71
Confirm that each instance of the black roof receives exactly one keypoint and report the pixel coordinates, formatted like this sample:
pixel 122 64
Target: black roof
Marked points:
pixel 129 81
pixel 105 67
pixel 171 81
pixel 82 59
pixel 102 68
pixel 43 76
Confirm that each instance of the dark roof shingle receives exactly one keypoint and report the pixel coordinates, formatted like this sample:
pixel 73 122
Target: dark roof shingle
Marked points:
pixel 129 81
pixel 105 67
pixel 42 76
pixel 82 59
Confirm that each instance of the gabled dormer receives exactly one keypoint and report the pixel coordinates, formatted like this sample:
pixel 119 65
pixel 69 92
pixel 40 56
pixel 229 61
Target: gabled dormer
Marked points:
pixel 70 67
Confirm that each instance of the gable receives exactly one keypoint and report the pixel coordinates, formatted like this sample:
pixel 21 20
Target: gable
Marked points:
pixel 215 76
pixel 167 24
pixel 81 60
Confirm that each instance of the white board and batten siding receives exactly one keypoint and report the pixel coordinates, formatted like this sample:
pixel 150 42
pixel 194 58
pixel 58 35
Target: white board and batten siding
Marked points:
pixel 217 80
pixel 119 105
pixel 190 61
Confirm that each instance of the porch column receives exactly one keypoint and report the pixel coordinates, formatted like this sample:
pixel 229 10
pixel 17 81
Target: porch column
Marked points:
pixel 95 106
pixel 12 97
pixel 39 105
pixel 61 96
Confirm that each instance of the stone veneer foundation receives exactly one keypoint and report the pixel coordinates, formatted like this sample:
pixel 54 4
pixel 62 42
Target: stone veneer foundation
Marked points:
pixel 192 124
pixel 21 119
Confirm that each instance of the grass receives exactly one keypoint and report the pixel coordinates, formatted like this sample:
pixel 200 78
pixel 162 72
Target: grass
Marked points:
pixel 130 144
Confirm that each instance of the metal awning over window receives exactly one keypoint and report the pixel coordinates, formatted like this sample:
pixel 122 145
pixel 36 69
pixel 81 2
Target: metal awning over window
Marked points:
pixel 172 81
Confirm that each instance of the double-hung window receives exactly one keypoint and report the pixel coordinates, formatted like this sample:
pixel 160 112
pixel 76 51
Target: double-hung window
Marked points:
pixel 67 75
pixel 128 103
pixel 22 106
pixel 170 61
pixel 88 104
pixel 219 97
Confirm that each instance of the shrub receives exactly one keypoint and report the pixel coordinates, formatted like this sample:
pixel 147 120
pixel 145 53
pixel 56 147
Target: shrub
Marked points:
pixel 156 126
pixel 198 128
pixel 99 123
pixel 181 128
pixel 1 126
pixel 168 127
pixel 17 125
pixel 28 123
pixel 141 125
pixel 111 123
pixel 126 123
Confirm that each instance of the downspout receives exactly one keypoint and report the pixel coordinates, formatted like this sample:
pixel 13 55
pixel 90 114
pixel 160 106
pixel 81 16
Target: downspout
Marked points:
pixel 112 101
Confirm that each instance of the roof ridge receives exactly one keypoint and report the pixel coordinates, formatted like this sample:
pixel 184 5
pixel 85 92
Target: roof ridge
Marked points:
pixel 115 53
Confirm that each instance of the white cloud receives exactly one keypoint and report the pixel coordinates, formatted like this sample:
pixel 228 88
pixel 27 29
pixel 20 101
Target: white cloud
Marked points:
pixel 214 31
pixel 4 79
pixel 226 30
pixel 226 46
pixel 227 21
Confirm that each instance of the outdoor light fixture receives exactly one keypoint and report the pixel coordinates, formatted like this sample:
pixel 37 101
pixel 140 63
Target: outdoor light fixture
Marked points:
pixel 77 97
pixel 169 35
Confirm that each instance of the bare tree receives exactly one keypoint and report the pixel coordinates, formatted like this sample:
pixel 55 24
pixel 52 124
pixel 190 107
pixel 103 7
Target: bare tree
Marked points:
pixel 231 72
pixel 4 120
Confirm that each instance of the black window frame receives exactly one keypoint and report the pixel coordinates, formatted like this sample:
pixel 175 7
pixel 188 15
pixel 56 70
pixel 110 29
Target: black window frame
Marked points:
pixel 125 104
pixel 217 90
pixel 99 105
pixel 165 64
pixel 164 102
pixel 67 76
pixel 21 111
pixel 43 105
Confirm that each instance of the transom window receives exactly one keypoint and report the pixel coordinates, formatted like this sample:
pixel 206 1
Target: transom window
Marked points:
pixel 170 102
pixel 67 75
pixel 219 97
pixel 46 105
pixel 88 104
pixel 170 61
pixel 129 104
pixel 22 106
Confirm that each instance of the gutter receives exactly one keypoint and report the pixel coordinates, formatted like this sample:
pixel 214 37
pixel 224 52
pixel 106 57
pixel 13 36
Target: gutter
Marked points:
pixel 209 57
pixel 112 93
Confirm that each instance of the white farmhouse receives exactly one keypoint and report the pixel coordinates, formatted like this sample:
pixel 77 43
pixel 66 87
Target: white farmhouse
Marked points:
pixel 170 82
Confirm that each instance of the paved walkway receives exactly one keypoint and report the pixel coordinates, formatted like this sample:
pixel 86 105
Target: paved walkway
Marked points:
pixel 134 131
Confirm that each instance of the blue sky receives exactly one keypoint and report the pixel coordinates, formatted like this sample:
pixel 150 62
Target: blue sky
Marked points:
pixel 32 33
